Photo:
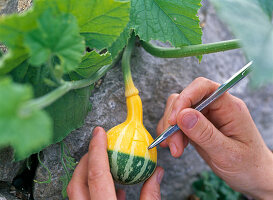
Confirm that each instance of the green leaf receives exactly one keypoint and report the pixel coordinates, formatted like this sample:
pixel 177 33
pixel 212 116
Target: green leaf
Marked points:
pixel 267 5
pixel 18 74
pixel 249 22
pixel 26 133
pixel 11 60
pixel 102 21
pixel 92 62
pixel 69 112
pixel 101 24
pixel 167 20
pixel 211 187
pixel 12 29
pixel 120 42
pixel 56 36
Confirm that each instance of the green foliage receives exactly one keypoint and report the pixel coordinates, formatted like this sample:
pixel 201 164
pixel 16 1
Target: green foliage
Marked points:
pixel 249 22
pixel 102 24
pixel 120 42
pixel 210 187
pixel 68 113
pixel 45 46
pixel 91 62
pixel 69 164
pixel 172 21
pixel 267 6
pixel 26 132
pixel 55 36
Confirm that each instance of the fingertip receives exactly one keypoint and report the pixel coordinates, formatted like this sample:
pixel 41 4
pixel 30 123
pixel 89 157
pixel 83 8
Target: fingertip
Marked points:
pixel 176 151
pixel 151 187
pixel 164 144
pixel 156 177
pixel 175 143
pixel 98 130
pixel 99 139
pixel 172 119
pixel 121 195
pixel 160 174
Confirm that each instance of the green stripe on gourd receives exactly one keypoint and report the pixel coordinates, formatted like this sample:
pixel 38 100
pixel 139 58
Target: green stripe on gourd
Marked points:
pixel 139 170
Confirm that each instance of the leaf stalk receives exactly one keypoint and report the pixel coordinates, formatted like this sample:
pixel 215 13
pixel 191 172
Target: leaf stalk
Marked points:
pixel 192 50
pixel 46 100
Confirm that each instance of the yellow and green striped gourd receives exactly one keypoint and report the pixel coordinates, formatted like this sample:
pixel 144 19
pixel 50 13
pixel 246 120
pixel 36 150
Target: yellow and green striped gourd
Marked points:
pixel 130 160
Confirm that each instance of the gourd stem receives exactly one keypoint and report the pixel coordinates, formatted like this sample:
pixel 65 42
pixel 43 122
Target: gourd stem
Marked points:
pixel 130 89
pixel 192 50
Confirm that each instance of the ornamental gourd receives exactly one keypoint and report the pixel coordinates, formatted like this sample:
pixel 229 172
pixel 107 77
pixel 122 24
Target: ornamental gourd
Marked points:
pixel 130 160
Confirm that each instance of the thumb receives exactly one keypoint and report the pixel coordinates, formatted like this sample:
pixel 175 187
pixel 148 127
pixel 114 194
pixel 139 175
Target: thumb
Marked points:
pixel 151 188
pixel 201 131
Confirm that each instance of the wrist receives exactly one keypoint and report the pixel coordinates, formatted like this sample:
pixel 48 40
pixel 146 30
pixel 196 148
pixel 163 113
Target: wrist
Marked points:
pixel 264 179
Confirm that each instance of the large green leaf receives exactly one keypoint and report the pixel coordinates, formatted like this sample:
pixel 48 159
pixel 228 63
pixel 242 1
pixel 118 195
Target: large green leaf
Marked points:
pixel 12 29
pixel 167 20
pixel 69 112
pixel 120 42
pixel 100 21
pixel 267 5
pixel 92 62
pixel 56 36
pixel 26 133
pixel 250 23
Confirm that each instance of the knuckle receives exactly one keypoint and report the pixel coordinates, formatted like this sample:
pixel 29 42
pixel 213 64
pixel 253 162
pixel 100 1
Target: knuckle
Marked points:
pixel 171 100
pixel 95 174
pixel 155 195
pixel 172 96
pixel 240 103
pixel 185 99
pixel 201 80
pixel 206 134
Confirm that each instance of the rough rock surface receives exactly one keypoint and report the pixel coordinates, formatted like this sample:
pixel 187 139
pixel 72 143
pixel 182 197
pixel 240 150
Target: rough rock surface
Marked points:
pixel 5 193
pixel 8 169
pixel 156 79
pixel 9 6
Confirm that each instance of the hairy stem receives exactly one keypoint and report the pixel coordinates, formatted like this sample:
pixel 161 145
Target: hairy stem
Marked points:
pixel 192 50
pixel 51 97
pixel 130 88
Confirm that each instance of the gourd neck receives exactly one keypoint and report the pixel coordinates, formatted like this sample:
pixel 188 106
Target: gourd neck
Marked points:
pixel 134 108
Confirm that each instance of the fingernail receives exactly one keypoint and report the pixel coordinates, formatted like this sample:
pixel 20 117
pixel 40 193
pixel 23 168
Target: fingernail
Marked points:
pixel 160 176
pixel 189 120
pixel 96 131
pixel 173 148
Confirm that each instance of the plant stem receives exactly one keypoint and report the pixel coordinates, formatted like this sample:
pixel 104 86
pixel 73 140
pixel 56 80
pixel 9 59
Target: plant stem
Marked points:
pixel 51 97
pixel 192 50
pixel 51 71
pixel 130 88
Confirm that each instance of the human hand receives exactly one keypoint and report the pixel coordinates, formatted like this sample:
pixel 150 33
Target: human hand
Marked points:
pixel 224 134
pixel 92 178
